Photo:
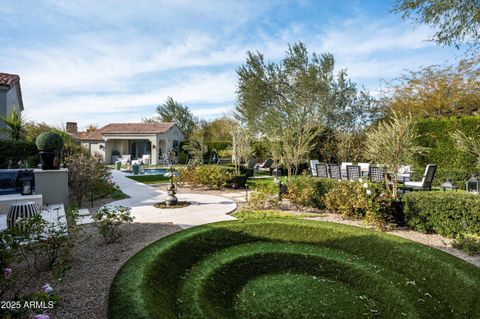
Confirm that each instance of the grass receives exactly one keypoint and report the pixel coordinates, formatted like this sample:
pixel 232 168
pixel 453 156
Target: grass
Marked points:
pixel 290 268
pixel 267 214
pixel 118 194
pixel 150 179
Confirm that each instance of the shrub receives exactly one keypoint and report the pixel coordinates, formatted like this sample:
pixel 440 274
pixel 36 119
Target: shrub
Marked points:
pixel 109 219
pixel 361 200
pixel 86 174
pixel 12 152
pixel 302 191
pixel 264 196
pixel 49 141
pixel 309 191
pixel 470 244
pixel 210 176
pixel 445 213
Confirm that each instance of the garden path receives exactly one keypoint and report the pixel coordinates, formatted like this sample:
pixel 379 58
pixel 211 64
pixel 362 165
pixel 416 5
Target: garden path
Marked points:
pixel 203 209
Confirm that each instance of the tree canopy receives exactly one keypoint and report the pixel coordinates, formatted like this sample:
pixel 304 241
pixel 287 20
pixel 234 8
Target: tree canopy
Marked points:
pixel 456 22
pixel 435 90
pixel 290 102
pixel 175 112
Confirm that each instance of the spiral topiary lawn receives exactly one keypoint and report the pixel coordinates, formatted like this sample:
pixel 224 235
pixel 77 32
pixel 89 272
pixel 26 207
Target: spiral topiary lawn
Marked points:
pixel 292 269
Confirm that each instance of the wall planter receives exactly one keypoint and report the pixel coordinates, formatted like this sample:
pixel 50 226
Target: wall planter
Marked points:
pixel 50 146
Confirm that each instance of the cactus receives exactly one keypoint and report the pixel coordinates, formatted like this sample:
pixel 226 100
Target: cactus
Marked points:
pixel 48 141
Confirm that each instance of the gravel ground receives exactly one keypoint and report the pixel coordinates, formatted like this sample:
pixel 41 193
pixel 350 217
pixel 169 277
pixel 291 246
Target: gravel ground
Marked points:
pixel 84 289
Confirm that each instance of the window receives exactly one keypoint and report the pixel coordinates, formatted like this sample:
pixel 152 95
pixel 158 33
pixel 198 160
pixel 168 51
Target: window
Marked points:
pixel 175 146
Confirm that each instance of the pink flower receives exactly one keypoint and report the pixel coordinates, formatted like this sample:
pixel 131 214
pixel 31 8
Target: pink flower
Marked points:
pixel 47 289
pixel 7 273
pixel 42 316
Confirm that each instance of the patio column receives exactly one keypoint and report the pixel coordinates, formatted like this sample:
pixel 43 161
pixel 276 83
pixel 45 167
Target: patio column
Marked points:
pixel 154 150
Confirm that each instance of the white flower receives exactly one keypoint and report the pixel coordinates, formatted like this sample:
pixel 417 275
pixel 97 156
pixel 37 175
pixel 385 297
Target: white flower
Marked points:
pixel 369 192
pixel 365 185
pixel 360 180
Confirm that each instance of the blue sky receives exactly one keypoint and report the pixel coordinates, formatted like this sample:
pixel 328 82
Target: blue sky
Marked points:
pixel 97 62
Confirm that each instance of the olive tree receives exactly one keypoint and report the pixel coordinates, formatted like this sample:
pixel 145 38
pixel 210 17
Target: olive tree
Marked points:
pixel 393 143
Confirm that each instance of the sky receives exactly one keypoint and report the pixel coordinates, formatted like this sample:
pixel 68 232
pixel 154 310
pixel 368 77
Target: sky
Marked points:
pixel 98 62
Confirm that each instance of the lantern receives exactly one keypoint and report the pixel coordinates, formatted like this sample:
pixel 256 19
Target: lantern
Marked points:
pixel 472 185
pixel 448 185
pixel 26 181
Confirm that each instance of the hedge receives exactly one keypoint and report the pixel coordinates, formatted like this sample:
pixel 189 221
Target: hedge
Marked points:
pixel 445 213
pixel 458 176
pixel 435 134
pixel 16 151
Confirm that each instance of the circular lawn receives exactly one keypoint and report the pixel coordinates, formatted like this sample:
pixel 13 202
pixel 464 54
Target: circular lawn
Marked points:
pixel 292 269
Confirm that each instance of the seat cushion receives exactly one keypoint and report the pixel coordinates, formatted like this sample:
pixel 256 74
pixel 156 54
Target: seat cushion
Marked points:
pixel 414 184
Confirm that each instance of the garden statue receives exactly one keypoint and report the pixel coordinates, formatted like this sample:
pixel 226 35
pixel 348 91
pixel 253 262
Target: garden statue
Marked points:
pixel 171 198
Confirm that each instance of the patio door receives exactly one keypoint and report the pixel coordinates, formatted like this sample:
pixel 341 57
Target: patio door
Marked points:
pixel 138 148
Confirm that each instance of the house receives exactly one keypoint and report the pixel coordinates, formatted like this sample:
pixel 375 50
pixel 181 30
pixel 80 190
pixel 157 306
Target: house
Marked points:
pixel 134 139
pixel 10 95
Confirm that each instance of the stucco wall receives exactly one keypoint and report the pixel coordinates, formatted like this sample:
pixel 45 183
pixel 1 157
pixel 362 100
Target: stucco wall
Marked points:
pixel 8 102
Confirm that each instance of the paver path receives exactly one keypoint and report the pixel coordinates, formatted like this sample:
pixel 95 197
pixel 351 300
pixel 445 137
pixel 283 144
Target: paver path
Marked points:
pixel 203 209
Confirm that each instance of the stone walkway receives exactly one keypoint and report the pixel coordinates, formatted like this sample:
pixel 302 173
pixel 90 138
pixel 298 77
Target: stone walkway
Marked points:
pixel 203 209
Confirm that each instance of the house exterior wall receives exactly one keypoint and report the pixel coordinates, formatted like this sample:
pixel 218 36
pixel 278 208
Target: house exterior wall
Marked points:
pixel 9 101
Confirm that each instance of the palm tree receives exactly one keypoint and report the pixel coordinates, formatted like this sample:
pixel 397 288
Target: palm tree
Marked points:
pixel 15 125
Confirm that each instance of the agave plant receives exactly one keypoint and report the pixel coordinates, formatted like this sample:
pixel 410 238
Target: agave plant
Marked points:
pixel 15 125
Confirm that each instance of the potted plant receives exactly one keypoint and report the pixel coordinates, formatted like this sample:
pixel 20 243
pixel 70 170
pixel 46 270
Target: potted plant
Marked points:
pixel 50 146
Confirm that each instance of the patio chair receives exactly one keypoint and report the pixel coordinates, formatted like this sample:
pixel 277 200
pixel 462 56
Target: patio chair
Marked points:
pixel 353 172
pixel 376 174
pixel 426 182
pixel 250 167
pixel 335 171
pixel 404 173
pixel 313 167
pixel 146 159
pixel 364 168
pixel 343 168
pixel 322 170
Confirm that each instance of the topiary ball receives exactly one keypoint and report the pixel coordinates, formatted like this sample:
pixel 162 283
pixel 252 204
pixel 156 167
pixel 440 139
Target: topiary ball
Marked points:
pixel 49 141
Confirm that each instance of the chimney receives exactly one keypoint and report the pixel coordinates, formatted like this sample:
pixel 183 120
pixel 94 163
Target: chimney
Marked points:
pixel 72 128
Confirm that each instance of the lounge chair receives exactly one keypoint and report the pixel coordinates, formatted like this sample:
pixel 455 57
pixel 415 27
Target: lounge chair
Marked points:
pixel 146 159
pixel 322 170
pixel 334 171
pixel 353 172
pixel 266 166
pixel 250 167
pixel 313 167
pixel 426 182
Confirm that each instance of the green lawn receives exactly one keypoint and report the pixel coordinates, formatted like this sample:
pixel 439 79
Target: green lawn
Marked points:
pixel 289 268
pixel 150 179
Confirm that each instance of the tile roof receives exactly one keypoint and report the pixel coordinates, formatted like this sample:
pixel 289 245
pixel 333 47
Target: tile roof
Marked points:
pixel 11 80
pixel 128 128
pixel 8 80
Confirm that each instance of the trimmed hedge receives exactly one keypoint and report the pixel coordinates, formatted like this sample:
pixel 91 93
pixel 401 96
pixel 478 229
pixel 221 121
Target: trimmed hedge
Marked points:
pixel 445 213
pixel 458 176
pixel 435 134
pixel 16 151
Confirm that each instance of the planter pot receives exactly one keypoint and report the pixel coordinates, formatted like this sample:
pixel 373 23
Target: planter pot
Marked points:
pixel 397 212
pixel 50 159
pixel 22 210
pixel 239 181
pixel 135 169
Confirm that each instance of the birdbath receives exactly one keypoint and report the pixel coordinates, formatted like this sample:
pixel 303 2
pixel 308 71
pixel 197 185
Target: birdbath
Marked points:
pixel 171 198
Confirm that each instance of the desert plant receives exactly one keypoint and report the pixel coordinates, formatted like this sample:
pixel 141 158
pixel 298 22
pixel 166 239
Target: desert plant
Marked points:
pixel 467 144
pixel 392 144
pixel 49 141
pixel 109 219
pixel 16 126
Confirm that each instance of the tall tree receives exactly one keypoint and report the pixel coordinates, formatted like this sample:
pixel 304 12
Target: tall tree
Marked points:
pixel 456 22
pixel 290 102
pixel 15 125
pixel 393 143
pixel 173 111
pixel 453 89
